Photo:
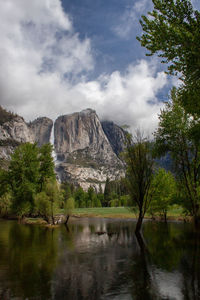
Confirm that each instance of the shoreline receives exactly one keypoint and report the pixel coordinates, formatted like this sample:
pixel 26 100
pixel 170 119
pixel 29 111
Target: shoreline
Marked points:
pixel 73 217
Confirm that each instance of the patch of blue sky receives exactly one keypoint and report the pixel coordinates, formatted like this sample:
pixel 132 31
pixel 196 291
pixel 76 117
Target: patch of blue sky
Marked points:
pixel 112 27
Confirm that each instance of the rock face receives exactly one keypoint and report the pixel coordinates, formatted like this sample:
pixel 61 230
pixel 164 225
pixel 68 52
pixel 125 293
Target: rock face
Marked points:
pixel 83 151
pixel 13 133
pixel 115 135
pixel 17 131
pixel 41 129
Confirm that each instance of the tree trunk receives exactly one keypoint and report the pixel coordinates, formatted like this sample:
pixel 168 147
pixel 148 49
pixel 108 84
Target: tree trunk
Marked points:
pixel 67 219
pixel 196 217
pixel 165 217
pixel 139 223
pixel 196 221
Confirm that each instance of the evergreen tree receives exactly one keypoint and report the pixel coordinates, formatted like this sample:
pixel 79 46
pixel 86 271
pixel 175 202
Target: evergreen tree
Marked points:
pixel 107 192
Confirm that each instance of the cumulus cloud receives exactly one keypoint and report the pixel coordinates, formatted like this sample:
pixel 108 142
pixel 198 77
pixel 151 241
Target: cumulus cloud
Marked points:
pixel 44 67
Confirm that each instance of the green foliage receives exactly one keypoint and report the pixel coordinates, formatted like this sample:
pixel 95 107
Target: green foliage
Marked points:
pixel 29 169
pixel 46 169
pixel 69 206
pixel 115 203
pixel 164 187
pixel 5 204
pixel 174 135
pixel 172 31
pixel 46 202
pixel 42 205
pixel 125 200
pixel 107 192
pixel 23 177
pixel 79 196
pixel 4 182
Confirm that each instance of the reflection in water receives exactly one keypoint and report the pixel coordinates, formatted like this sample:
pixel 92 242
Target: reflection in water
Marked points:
pixel 99 259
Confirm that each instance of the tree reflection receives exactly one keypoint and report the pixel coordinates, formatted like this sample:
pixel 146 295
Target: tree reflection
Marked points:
pixel 77 263
pixel 31 259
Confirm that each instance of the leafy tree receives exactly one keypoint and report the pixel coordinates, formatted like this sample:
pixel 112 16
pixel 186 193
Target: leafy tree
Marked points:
pixel 174 135
pixel 4 182
pixel 29 169
pixel 43 206
pixel 139 174
pixel 46 169
pixel 47 201
pixel 52 191
pixel 5 204
pixel 172 31
pixel 23 178
pixel 69 207
pixel 164 189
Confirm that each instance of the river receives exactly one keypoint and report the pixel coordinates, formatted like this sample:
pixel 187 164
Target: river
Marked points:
pixel 99 259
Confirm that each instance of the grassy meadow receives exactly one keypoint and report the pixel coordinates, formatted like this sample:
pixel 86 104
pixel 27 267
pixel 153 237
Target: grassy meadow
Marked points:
pixel 175 212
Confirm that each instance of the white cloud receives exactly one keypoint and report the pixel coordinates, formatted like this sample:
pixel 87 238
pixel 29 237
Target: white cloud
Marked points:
pixel 130 18
pixel 40 54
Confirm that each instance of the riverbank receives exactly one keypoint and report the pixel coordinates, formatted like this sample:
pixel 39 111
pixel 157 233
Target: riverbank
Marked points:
pixel 174 213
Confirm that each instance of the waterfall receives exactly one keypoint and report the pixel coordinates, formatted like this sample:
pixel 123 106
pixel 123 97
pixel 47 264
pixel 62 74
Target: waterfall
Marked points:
pixel 52 142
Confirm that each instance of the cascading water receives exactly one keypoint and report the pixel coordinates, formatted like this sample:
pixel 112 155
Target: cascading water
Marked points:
pixel 52 142
pixel 52 139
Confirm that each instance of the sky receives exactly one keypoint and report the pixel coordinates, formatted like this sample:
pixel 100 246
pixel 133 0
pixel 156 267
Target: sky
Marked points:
pixel 59 57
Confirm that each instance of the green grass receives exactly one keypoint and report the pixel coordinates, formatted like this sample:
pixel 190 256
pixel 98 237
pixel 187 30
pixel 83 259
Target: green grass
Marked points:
pixel 109 212
pixel 175 212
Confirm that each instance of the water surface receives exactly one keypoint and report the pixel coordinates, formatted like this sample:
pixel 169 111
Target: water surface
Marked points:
pixel 99 259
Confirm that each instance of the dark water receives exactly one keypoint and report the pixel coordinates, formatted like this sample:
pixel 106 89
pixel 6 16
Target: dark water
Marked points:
pixel 99 259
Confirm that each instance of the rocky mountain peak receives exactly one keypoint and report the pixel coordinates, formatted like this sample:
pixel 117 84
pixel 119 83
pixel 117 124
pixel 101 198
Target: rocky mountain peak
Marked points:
pixel 116 136
pixel 41 129
pixel 81 141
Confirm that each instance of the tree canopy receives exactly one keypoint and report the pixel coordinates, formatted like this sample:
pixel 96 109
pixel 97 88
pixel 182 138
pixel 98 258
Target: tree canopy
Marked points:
pixel 29 169
pixel 172 31
pixel 174 135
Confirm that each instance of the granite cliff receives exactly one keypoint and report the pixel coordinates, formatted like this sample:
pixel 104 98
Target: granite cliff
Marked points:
pixel 15 131
pixel 85 150
pixel 84 153
pixel 115 135
pixel 41 129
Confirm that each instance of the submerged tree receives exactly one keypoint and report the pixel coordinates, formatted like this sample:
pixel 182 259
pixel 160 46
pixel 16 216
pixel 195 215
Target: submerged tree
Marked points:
pixel 46 202
pixel 68 208
pixel 174 136
pixel 139 174
pixel 164 187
